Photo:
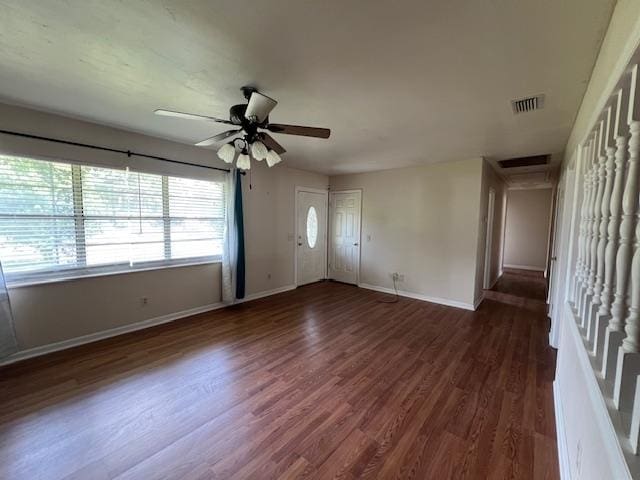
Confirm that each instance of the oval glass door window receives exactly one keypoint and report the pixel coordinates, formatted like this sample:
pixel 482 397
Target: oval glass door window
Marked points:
pixel 312 227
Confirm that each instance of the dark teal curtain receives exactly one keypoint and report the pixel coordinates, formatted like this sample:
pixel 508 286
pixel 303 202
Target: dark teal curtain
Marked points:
pixel 239 219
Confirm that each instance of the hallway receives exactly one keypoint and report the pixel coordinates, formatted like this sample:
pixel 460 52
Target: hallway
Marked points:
pixel 522 288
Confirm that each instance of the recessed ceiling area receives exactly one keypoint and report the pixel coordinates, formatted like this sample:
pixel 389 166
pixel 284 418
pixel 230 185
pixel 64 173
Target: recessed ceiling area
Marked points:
pixel 399 83
pixel 536 171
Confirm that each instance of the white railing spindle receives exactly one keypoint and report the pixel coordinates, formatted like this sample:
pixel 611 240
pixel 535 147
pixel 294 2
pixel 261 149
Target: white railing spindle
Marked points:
pixel 628 364
pixel 615 328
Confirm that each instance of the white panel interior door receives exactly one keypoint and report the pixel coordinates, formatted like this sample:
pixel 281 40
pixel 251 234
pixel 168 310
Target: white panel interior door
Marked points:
pixel 344 245
pixel 311 253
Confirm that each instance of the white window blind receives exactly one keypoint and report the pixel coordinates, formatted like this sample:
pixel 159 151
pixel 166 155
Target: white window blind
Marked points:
pixel 59 219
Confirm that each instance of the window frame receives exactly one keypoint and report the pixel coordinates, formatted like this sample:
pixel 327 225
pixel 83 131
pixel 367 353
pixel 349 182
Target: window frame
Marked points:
pixel 80 269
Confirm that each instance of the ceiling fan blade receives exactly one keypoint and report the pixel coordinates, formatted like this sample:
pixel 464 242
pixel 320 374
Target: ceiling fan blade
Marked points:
pixel 217 138
pixel 299 130
pixel 271 144
pixel 259 107
pixel 190 116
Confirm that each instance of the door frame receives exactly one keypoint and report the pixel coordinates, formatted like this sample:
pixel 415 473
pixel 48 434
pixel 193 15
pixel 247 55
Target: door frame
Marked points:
pixel 488 247
pixel 330 228
pixel 321 191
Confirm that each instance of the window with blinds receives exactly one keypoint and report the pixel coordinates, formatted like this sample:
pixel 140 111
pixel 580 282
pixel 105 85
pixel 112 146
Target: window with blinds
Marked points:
pixel 59 220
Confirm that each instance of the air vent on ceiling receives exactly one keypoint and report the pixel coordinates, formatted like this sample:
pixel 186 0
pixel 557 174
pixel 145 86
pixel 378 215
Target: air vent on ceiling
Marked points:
pixel 524 161
pixel 528 104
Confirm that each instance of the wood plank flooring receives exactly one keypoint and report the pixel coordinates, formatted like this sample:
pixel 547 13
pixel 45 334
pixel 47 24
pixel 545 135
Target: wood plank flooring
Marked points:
pixel 321 382
pixel 521 288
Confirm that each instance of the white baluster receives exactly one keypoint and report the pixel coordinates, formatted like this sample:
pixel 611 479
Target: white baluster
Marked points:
pixel 577 284
pixel 584 218
pixel 628 364
pixel 592 292
pixel 588 232
pixel 599 324
pixel 614 331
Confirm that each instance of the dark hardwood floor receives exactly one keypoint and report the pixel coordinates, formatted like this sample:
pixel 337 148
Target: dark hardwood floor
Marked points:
pixel 521 288
pixel 321 382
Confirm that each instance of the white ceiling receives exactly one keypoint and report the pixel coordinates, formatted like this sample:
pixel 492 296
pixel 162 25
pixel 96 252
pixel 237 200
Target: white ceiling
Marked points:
pixel 398 82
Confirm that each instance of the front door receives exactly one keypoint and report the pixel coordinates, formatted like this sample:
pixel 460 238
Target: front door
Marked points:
pixel 311 236
pixel 344 246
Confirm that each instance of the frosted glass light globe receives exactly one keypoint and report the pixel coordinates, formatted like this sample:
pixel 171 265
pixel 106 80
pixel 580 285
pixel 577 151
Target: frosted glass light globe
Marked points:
pixel 258 150
pixel 273 158
pixel 227 152
pixel 243 163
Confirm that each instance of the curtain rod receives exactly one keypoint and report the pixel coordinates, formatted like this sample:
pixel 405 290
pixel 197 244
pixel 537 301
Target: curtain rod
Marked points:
pixel 128 153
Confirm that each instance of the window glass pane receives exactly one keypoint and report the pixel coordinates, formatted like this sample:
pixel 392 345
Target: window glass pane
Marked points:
pixel 112 240
pixel 34 187
pixel 120 193
pixel 312 227
pixel 56 217
pixel 37 229
pixel 196 208
pixel 31 244
pixel 123 216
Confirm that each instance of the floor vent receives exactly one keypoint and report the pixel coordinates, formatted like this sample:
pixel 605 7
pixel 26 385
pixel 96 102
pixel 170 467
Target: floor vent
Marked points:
pixel 528 104
pixel 524 161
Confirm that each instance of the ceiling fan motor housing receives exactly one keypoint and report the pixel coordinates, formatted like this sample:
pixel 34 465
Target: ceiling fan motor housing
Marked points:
pixel 236 114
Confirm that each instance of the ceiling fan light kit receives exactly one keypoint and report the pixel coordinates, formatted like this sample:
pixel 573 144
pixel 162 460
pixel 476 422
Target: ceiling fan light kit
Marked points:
pixel 273 158
pixel 243 162
pixel 227 153
pixel 250 117
pixel 258 150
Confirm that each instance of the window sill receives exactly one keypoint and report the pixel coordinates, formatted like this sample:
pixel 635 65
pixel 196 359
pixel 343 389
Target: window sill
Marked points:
pixel 73 277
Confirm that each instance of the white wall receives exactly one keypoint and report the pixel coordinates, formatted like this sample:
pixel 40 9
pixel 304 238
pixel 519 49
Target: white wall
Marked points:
pixel 422 223
pixel 589 449
pixel 61 311
pixel 55 312
pixel 269 223
pixel 527 228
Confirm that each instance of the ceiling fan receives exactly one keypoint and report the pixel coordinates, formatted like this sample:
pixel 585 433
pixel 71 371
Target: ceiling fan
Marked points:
pixel 252 119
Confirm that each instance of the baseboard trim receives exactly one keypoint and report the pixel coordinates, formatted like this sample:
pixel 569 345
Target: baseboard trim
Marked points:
pixel 417 296
pixel 132 327
pixel 266 293
pixel 478 301
pixel 524 267
pixel 495 281
pixel 561 437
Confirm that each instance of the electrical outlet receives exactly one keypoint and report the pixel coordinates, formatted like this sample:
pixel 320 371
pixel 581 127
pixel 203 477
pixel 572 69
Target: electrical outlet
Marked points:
pixel 144 301
pixel 268 276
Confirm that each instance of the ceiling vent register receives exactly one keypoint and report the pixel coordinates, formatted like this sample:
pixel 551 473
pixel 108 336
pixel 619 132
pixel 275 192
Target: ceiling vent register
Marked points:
pixel 524 161
pixel 528 104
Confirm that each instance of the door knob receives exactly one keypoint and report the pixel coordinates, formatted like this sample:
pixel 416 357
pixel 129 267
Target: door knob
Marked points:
pixel 299 244
pixel 355 244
